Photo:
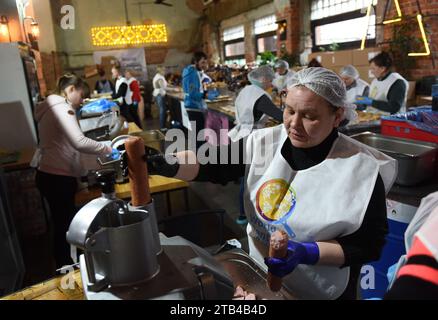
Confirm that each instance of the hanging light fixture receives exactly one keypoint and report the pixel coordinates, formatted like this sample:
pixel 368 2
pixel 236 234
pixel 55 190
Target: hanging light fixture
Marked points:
pixel 425 42
pixel 35 29
pixel 4 27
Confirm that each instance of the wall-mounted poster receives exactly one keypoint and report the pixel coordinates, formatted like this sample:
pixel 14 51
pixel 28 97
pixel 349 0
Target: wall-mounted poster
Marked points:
pixel 133 59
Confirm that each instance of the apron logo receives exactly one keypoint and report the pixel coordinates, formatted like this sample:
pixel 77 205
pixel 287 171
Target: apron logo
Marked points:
pixel 275 202
pixel 373 92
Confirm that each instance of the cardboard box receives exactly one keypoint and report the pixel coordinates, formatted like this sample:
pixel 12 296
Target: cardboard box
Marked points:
pixel 90 71
pixel 325 58
pixel 342 58
pixel 365 73
pixel 362 57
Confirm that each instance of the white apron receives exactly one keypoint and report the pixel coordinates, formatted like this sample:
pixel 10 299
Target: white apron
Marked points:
pixel 157 89
pixel 129 93
pixel 244 103
pixel 280 82
pixel 356 91
pixel 379 91
pixel 321 203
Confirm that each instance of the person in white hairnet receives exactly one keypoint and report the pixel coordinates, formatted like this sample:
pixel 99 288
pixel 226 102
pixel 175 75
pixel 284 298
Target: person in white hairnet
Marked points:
pixel 282 75
pixel 355 86
pixel 254 104
pixel 324 189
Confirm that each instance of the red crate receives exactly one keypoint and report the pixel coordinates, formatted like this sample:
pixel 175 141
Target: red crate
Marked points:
pixel 403 129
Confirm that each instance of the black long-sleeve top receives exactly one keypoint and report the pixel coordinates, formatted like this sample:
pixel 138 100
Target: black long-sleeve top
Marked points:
pixel 121 93
pixel 363 246
pixel 264 105
pixel 396 97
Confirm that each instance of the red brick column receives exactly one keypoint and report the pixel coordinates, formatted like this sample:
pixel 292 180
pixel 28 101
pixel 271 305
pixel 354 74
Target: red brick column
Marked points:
pixel 291 14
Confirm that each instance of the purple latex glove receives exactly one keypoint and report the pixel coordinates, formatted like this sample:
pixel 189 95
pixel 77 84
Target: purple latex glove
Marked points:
pixel 297 253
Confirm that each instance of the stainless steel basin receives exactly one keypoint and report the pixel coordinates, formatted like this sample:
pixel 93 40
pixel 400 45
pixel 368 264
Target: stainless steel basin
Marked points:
pixel 417 160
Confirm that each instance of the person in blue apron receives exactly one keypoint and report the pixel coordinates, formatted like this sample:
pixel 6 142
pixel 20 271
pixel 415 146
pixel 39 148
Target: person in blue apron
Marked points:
pixel 354 84
pixel 326 190
pixel 388 91
pixel 103 85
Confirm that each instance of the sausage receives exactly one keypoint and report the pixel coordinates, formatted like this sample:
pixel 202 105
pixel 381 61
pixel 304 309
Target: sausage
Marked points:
pixel 277 249
pixel 138 172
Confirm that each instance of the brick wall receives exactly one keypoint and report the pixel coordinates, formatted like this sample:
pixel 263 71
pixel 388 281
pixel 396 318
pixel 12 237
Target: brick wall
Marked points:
pixel 291 14
pixel 421 66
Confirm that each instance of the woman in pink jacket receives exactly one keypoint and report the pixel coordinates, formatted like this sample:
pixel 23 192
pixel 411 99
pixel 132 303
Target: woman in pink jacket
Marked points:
pixel 60 147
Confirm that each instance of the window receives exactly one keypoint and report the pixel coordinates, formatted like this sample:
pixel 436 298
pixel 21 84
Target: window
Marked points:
pixel 265 24
pixel 265 30
pixel 234 33
pixel 341 22
pixel 234 43
pixel 326 8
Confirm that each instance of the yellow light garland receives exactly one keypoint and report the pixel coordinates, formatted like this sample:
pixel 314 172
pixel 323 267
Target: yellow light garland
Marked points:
pixel 122 35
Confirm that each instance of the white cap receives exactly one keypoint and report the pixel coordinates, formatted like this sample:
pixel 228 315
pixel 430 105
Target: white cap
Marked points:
pixel 349 71
pixel 326 84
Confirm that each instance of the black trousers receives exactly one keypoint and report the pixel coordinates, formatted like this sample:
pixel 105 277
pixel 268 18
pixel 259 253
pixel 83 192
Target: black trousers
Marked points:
pixel 129 112
pixel 59 192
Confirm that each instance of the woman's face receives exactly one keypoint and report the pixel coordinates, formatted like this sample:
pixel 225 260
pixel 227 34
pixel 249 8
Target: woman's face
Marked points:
pixel 202 64
pixel 309 118
pixel 128 75
pixel 74 96
pixel 377 71
pixel 347 80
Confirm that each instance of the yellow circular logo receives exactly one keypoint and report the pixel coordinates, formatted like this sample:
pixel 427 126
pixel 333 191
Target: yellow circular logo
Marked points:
pixel 275 200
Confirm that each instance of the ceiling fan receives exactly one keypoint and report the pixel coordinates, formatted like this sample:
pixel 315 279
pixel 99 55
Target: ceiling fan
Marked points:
pixel 163 2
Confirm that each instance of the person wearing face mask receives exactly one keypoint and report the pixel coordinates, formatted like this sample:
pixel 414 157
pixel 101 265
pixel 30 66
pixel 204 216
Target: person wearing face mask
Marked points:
pixel 354 85
pixel 388 91
pixel 282 75
pixel 325 190
pixel 58 160
pixel 254 104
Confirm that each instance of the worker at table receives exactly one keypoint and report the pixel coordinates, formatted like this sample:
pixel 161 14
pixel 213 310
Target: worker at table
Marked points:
pixel 388 91
pixel 254 104
pixel 354 84
pixel 58 158
pixel 326 190
pixel 282 75
pixel 195 95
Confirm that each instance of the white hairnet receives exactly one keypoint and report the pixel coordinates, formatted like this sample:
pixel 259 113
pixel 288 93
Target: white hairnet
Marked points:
pixel 261 74
pixel 349 71
pixel 326 84
pixel 281 64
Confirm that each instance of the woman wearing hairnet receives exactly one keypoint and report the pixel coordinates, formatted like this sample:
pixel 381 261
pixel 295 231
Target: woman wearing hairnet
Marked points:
pixel 326 190
pixel 354 85
pixel 282 75
pixel 254 105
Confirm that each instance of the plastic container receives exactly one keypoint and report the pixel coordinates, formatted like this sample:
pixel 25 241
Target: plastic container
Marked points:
pixel 435 97
pixel 420 124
